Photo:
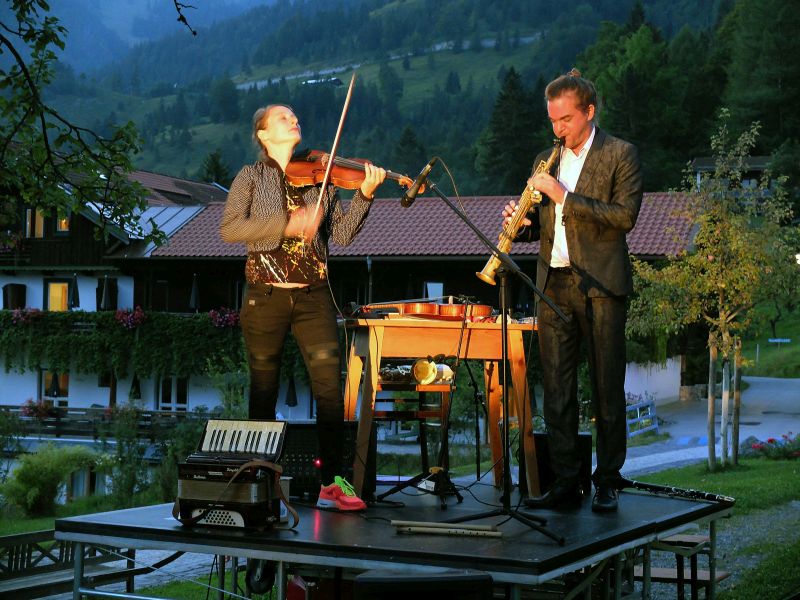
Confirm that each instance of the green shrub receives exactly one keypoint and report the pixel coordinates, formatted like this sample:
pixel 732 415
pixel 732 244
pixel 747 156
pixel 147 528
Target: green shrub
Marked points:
pixel 34 485
pixel 173 446
pixel 10 434
pixel 125 463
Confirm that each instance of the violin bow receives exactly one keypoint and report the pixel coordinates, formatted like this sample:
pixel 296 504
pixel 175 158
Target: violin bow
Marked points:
pixel 332 154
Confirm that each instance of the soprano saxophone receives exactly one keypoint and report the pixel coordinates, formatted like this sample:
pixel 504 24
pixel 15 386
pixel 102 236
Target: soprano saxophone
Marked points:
pixel 528 198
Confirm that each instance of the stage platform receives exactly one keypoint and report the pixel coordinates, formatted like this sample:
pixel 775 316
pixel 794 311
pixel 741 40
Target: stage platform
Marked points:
pixel 356 542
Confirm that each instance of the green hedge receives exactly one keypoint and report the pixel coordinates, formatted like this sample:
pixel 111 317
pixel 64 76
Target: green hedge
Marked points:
pixel 98 342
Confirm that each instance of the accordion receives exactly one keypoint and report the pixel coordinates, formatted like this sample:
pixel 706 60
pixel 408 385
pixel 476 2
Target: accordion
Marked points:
pixel 232 480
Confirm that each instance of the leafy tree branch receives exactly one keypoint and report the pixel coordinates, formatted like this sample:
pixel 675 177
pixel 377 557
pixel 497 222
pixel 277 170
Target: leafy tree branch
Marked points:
pixel 48 162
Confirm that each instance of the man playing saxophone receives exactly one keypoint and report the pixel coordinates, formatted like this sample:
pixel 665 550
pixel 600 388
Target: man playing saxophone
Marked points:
pixel 591 199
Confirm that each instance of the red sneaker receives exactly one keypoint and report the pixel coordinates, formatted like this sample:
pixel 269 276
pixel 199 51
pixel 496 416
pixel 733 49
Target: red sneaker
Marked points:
pixel 339 495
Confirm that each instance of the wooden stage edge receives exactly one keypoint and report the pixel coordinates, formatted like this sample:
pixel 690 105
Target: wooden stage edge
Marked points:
pixel 356 542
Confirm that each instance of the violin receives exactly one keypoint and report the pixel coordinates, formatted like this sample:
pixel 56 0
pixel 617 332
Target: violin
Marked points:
pixel 433 310
pixel 347 173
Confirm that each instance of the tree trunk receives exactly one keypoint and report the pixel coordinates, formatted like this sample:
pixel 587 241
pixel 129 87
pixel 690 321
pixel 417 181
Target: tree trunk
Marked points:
pixel 712 371
pixel 737 400
pixel 723 426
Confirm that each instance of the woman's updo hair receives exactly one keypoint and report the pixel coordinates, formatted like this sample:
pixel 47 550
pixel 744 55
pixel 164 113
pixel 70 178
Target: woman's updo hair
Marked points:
pixel 260 122
pixel 584 89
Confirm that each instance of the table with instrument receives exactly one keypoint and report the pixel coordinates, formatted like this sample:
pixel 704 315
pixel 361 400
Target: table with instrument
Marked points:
pixel 380 338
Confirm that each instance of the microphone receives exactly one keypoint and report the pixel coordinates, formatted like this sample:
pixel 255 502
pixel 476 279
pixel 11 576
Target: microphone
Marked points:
pixel 408 198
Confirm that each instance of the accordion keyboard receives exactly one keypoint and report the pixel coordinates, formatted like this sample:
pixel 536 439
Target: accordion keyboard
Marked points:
pixel 233 440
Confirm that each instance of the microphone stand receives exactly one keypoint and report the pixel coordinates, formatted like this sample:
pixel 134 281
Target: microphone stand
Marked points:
pixel 477 399
pixel 507 266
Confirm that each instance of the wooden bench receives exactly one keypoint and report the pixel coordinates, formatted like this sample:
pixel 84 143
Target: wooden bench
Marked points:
pixel 35 565
pixel 702 578
pixel 683 546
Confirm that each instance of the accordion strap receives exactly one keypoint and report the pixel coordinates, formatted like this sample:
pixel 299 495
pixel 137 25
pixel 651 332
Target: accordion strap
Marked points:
pixel 257 464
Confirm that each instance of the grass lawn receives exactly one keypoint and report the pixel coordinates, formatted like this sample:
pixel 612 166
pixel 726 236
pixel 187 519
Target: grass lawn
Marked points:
pixel 769 359
pixel 776 577
pixel 195 589
pixel 757 485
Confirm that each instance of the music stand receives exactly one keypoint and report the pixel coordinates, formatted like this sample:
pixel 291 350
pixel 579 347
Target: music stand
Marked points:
pixel 508 266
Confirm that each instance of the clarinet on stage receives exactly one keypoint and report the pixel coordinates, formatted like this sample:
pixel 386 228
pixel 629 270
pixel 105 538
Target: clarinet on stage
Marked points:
pixel 677 492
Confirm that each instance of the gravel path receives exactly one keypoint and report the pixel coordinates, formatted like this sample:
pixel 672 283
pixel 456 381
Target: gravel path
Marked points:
pixel 737 536
pixel 737 540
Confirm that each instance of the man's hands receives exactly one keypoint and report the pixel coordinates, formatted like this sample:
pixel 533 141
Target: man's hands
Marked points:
pixel 508 212
pixel 549 185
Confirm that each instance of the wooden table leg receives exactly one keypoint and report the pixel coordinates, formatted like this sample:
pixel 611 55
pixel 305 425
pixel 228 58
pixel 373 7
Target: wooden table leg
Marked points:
pixel 352 383
pixel 519 379
pixel 494 409
pixel 444 442
pixel 367 409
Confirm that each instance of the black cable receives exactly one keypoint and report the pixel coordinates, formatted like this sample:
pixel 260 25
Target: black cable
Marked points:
pixel 210 573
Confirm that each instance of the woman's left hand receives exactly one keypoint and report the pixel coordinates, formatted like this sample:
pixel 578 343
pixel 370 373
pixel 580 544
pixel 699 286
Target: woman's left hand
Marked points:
pixel 373 177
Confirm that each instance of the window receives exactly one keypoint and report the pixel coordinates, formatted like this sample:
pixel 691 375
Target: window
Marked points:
pixel 238 293
pixel 172 394
pixel 56 294
pixel 55 388
pixel 106 293
pixel 160 298
pixel 14 295
pixel 34 223
pixel 104 379
pixel 434 290
pixel 62 224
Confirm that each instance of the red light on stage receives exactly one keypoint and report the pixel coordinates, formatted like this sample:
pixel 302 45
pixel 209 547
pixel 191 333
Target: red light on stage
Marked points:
pixel 317 463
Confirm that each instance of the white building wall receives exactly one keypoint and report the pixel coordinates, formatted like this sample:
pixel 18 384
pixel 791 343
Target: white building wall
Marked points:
pixel 33 287
pixel 87 288
pixel 16 388
pixel 661 381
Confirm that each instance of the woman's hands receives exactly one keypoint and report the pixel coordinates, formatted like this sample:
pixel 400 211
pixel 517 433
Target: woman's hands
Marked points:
pixel 373 177
pixel 303 223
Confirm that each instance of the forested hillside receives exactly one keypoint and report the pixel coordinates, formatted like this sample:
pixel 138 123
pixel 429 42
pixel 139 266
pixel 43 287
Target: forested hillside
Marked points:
pixel 462 79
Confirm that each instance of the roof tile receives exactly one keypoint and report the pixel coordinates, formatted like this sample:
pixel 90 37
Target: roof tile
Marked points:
pixel 167 190
pixel 430 228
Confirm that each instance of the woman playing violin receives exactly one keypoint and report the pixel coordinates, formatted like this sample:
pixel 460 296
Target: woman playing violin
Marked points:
pixel 286 270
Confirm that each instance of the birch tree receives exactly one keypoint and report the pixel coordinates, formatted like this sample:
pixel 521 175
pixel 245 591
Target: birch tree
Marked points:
pixel 739 245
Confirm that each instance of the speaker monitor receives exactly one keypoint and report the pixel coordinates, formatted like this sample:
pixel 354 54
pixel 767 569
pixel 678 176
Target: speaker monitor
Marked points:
pixel 463 584
pixel 301 449
pixel 546 475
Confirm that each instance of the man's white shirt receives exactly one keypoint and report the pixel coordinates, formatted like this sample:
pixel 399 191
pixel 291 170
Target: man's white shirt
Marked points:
pixel 569 170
